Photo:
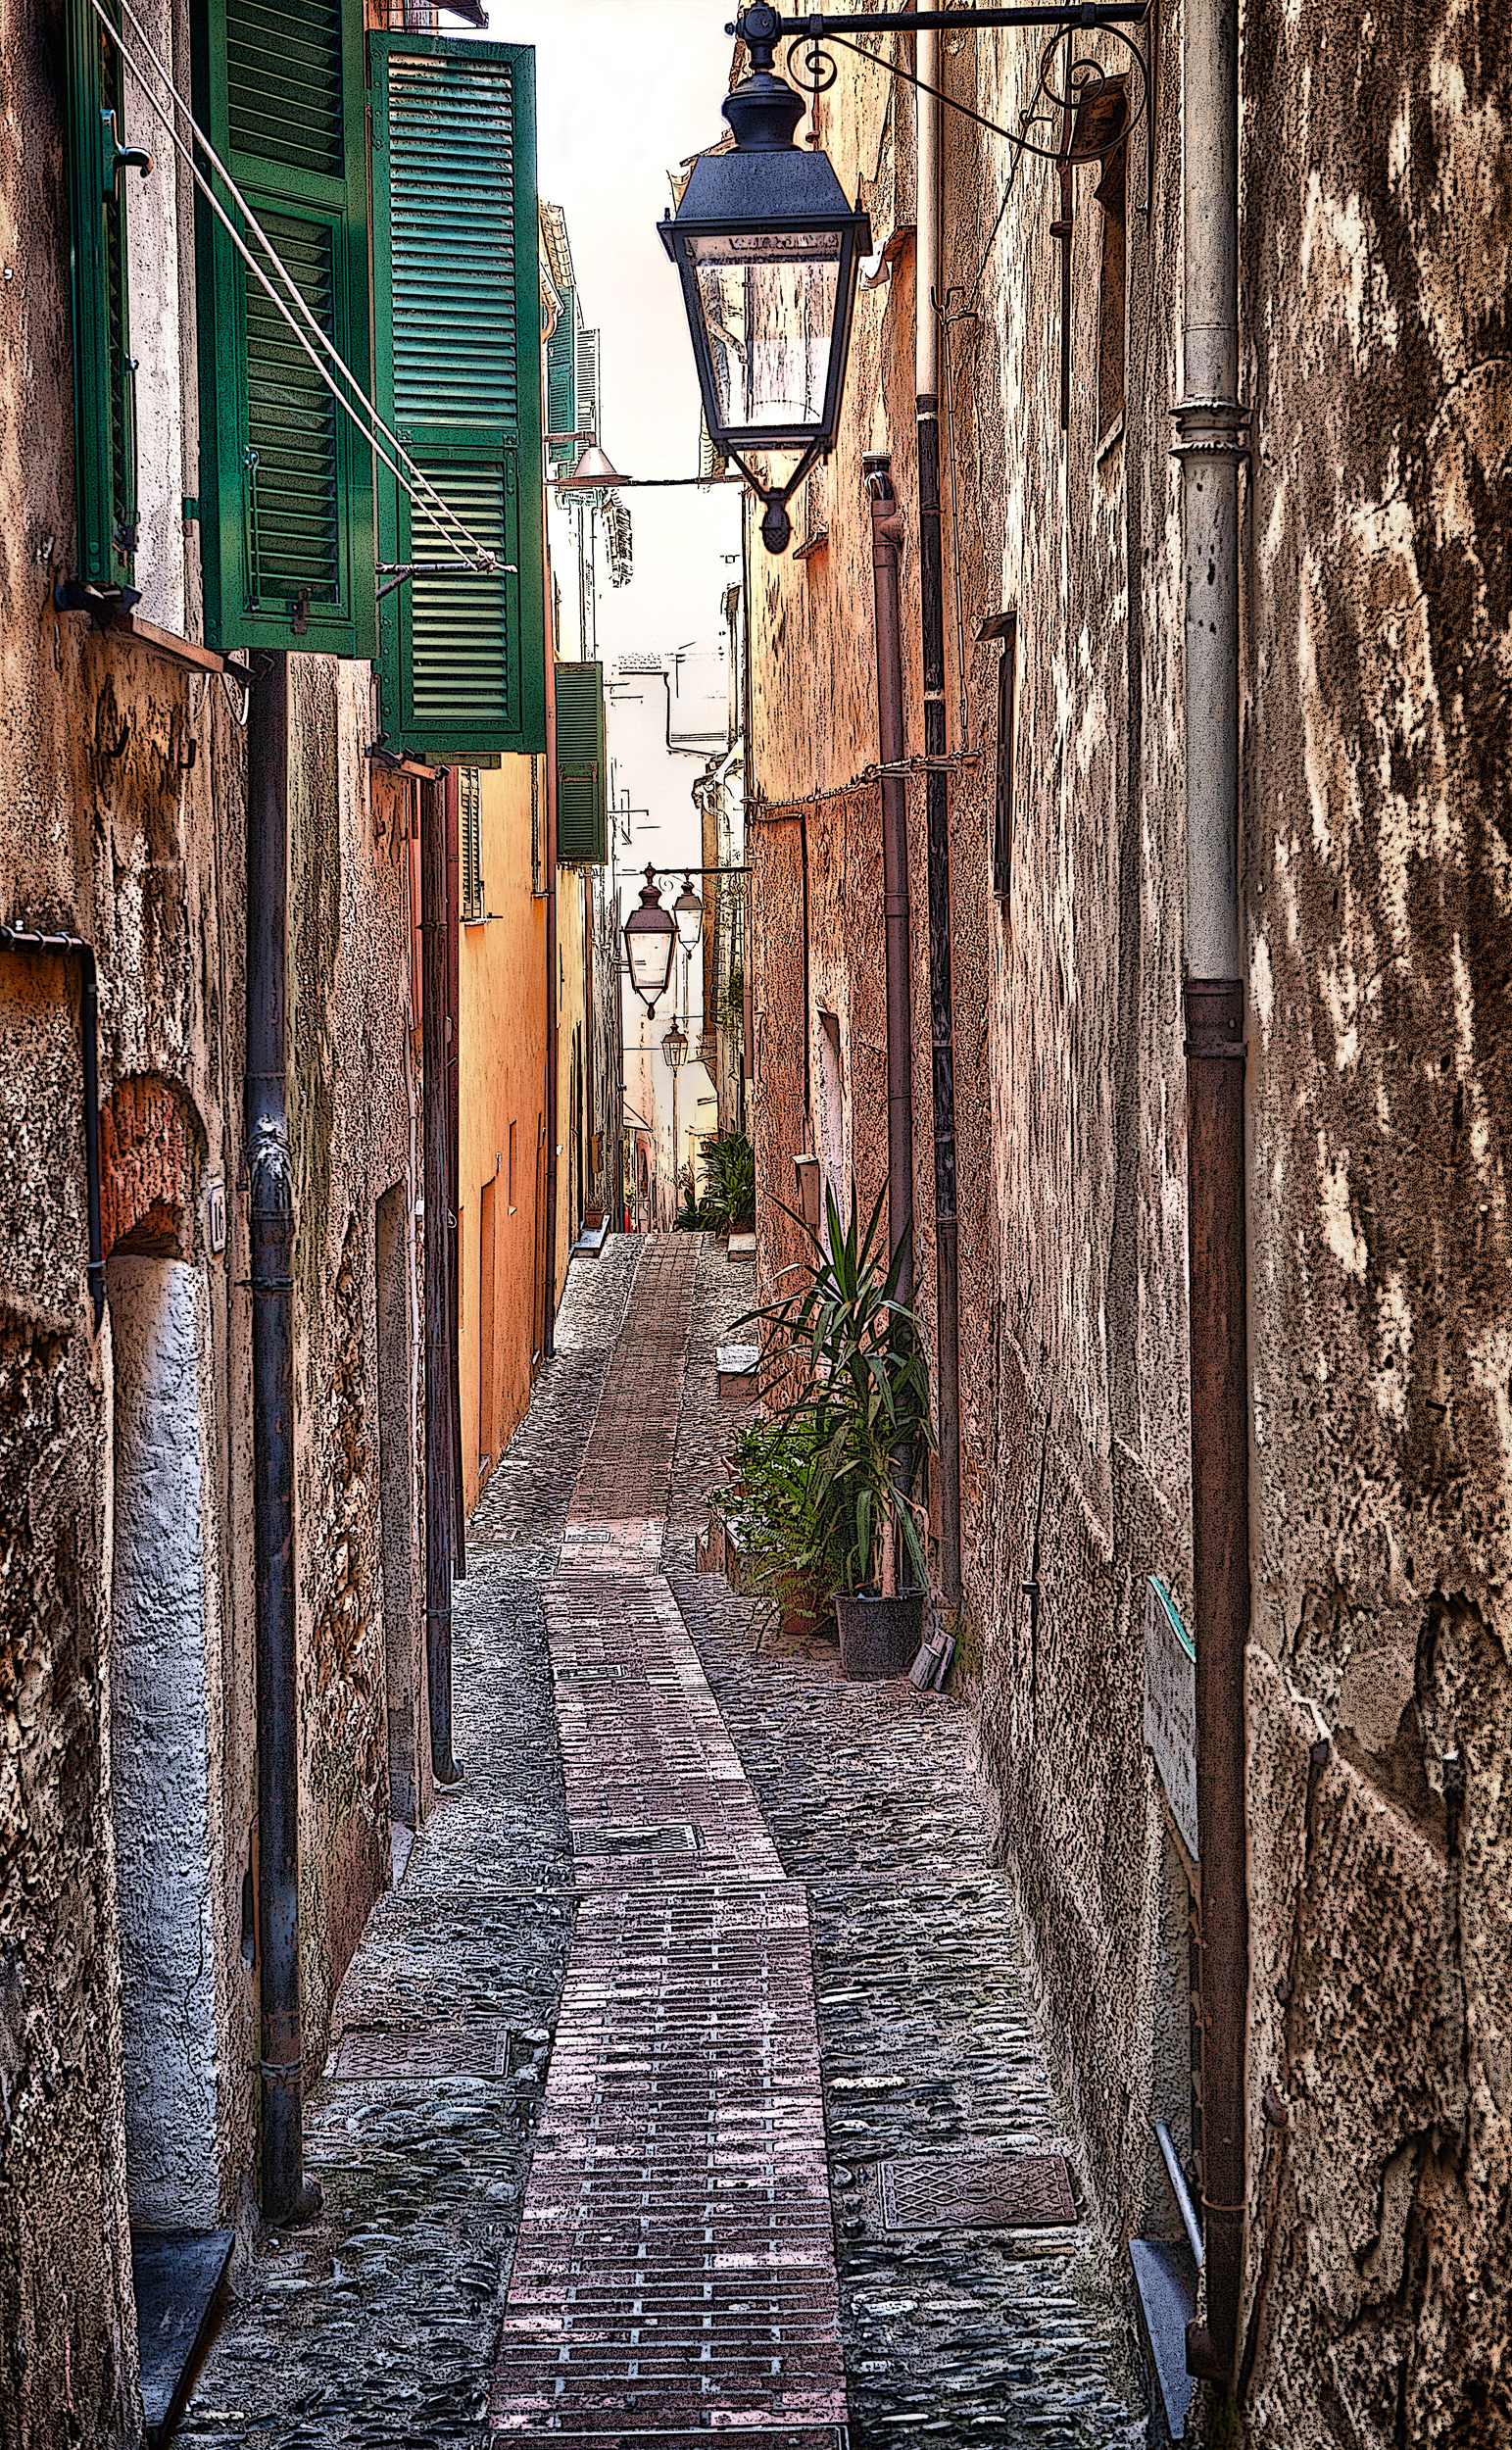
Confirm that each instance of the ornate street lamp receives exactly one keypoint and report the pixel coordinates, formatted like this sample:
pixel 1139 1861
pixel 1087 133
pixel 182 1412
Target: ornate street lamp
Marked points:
pixel 650 940
pixel 768 250
pixel 674 1049
pixel 688 911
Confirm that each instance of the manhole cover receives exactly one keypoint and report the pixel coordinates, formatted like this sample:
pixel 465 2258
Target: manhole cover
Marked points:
pixel 669 1837
pixel 379 2054
pixel 1027 2192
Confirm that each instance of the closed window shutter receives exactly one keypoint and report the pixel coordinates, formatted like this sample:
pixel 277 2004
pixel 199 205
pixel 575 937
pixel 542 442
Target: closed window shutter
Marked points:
pixel 104 384
pixel 562 376
pixel 469 805
pixel 588 381
pixel 285 478
pixel 457 299
pixel 581 829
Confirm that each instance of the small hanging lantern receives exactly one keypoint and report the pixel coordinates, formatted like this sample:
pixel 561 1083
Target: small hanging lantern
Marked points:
pixel 688 911
pixel 768 250
pixel 650 940
pixel 674 1049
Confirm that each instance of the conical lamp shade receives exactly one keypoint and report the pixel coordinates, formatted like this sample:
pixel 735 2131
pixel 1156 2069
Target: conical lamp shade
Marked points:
pixel 595 473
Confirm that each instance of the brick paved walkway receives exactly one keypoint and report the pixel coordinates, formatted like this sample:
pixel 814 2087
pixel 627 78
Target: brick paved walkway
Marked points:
pixel 675 2270
pixel 530 2018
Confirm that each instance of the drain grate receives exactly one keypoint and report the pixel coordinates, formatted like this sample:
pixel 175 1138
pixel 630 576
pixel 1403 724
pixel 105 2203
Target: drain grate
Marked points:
pixel 662 1837
pixel 592 1672
pixel 380 2054
pixel 1028 2191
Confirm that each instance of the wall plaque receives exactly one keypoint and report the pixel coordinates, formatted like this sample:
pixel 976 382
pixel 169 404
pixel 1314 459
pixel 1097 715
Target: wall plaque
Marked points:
pixel 1171 1707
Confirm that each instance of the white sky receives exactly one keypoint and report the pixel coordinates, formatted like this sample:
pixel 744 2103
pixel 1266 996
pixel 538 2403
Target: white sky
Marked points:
pixel 625 89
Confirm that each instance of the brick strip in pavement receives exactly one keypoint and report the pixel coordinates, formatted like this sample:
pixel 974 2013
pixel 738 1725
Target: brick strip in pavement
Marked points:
pixel 676 2271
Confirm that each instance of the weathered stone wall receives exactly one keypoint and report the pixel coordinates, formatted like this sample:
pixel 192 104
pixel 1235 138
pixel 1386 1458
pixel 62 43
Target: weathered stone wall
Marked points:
pixel 123 795
pixel 1378 815
pixel 353 1113
pixel 1376 239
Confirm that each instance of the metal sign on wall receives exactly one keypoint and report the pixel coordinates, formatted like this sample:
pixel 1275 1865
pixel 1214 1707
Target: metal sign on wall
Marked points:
pixel 1171 1707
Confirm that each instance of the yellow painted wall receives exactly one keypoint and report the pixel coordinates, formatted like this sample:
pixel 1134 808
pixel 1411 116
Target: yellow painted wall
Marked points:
pixel 501 1103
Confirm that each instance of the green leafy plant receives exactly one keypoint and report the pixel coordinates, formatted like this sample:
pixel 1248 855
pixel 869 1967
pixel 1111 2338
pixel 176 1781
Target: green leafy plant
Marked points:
pixel 772 1506
pixel 844 1357
pixel 730 1194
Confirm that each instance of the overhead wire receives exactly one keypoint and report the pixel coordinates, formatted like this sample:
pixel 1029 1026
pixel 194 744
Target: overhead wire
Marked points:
pixel 425 497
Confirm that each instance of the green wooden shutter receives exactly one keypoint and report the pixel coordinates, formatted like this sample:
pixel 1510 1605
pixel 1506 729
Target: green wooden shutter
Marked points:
pixel 581 823
pixel 285 478
pixel 458 306
pixel 104 373
pixel 561 377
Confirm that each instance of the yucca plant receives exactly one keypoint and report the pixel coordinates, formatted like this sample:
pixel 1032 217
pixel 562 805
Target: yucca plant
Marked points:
pixel 844 1366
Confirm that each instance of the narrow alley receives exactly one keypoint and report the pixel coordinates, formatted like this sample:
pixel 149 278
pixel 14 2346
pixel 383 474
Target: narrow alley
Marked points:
pixel 704 1926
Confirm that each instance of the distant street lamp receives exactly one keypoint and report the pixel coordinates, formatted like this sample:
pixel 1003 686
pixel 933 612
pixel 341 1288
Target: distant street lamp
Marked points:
pixel 688 911
pixel 594 472
pixel 650 940
pixel 674 1049
pixel 767 249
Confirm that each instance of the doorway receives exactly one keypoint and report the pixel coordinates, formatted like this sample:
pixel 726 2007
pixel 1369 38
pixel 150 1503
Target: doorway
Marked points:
pixel 402 1644
pixel 485 1332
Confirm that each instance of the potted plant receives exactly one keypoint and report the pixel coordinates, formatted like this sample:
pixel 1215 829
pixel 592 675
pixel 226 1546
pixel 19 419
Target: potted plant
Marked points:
pixel 771 1504
pixel 729 1176
pixel 846 1354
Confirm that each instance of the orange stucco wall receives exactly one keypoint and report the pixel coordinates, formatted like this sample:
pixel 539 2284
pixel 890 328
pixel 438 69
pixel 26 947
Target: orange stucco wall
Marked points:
pixel 501 1101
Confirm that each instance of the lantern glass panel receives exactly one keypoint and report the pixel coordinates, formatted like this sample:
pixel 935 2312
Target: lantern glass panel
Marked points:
pixel 769 303
pixel 651 956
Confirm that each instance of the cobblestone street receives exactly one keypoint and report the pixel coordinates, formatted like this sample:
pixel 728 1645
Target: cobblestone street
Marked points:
pixel 700 1912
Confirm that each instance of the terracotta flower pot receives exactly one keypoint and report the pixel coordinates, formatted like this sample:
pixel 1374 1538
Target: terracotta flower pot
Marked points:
pixel 802 1607
pixel 879 1637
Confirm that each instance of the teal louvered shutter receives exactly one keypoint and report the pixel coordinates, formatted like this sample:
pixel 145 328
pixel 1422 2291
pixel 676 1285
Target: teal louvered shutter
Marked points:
pixel 457 302
pixel 562 376
pixel 588 381
pixel 285 477
pixel 582 832
pixel 104 373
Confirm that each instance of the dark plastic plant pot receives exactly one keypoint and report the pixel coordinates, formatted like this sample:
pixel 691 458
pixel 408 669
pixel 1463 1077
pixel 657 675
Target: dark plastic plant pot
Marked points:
pixel 878 1637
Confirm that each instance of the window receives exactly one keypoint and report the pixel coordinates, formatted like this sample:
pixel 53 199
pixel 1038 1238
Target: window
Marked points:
pixel 537 863
pixel 1111 320
pixel 1004 627
pixel 456 267
pixel 582 831
pixel 104 391
pixel 285 481
pixel 469 828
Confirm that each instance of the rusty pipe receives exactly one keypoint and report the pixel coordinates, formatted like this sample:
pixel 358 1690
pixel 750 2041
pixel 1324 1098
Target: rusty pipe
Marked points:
pixel 437 1284
pixel 886 536
pixel 936 800
pixel 1220 1544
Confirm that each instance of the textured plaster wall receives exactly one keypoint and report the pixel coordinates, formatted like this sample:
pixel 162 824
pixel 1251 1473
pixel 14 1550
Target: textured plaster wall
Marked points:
pixel 1378 817
pixel 353 1117
pixel 165 1714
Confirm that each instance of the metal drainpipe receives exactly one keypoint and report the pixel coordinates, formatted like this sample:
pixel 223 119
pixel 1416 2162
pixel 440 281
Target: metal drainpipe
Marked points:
pixel 286 2194
pixel 1210 445
pixel 936 788
pixel 887 535
pixel 438 1403
pixel 453 1163
pixel 32 940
